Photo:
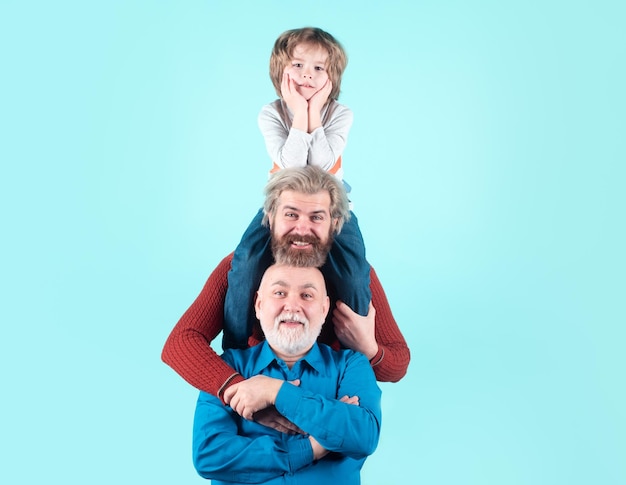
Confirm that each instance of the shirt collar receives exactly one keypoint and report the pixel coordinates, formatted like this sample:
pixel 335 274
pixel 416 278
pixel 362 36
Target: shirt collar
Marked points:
pixel 266 356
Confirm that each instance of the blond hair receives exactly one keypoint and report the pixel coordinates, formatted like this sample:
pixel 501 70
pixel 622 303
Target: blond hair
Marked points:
pixel 282 53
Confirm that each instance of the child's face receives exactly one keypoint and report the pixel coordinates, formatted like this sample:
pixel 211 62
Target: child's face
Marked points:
pixel 307 68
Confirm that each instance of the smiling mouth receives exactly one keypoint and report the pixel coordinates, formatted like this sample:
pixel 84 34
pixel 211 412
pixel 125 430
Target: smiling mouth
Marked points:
pixel 300 244
pixel 291 323
pixel 291 320
pixel 303 241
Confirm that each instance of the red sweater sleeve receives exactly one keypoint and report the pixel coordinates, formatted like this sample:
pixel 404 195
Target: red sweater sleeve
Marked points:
pixel 188 348
pixel 392 360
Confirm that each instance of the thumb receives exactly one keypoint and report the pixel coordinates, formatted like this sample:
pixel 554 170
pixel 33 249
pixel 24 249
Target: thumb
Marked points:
pixel 295 382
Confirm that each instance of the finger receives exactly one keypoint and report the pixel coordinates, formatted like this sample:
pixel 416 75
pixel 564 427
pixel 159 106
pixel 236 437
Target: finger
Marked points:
pixel 292 431
pixel 238 410
pixel 338 320
pixel 341 308
pixel 278 426
pixel 288 425
pixel 349 399
pixel 371 310
pixel 337 313
pixel 284 85
pixel 284 427
pixel 248 413
pixel 229 393
pixel 293 87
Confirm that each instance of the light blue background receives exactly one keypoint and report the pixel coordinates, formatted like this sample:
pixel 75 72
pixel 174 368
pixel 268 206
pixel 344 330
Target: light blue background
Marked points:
pixel 487 160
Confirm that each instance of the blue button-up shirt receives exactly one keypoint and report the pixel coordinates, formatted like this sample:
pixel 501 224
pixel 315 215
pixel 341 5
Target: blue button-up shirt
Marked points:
pixel 231 450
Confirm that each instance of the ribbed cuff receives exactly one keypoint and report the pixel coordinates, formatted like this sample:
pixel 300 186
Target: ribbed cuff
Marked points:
pixel 233 379
pixel 378 358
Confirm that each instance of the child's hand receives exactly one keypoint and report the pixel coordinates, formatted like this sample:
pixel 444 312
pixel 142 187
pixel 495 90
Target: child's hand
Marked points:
pixel 295 101
pixel 319 99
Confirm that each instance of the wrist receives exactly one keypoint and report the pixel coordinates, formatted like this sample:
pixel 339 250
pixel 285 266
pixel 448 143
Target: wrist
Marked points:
pixel 378 358
pixel 318 450
pixel 300 121
pixel 232 379
pixel 314 122
pixel 371 351
pixel 277 386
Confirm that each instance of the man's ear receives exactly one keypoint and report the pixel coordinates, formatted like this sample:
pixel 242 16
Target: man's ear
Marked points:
pixel 257 305
pixel 326 307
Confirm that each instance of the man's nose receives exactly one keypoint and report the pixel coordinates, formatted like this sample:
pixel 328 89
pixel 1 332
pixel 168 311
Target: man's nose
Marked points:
pixel 303 226
pixel 292 304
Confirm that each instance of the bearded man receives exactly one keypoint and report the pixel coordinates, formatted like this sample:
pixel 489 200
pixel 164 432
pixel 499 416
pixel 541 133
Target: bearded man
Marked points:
pixel 302 380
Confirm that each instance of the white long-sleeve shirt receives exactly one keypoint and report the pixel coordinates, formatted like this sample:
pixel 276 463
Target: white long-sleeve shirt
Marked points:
pixel 290 147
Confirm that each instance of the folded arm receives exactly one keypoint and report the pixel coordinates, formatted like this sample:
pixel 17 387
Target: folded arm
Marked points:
pixel 220 452
pixel 336 424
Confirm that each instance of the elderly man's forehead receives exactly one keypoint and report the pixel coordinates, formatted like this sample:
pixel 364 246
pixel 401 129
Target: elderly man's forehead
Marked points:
pixel 292 276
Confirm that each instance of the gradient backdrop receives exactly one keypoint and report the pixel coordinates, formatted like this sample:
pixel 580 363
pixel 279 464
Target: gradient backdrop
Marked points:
pixel 487 161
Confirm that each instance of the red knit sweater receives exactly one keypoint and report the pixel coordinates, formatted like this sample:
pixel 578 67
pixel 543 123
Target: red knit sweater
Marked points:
pixel 188 351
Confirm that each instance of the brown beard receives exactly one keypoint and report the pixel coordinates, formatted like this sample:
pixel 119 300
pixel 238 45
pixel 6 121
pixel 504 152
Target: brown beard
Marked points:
pixel 304 258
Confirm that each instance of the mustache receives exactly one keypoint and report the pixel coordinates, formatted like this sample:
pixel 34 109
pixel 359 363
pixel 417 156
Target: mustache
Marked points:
pixel 290 317
pixel 307 238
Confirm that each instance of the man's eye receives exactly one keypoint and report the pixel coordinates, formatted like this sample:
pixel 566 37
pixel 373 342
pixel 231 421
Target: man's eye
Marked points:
pixel 290 215
pixel 279 293
pixel 307 296
pixel 317 218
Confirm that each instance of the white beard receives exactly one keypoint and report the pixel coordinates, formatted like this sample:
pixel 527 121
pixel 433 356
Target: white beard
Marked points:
pixel 291 341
